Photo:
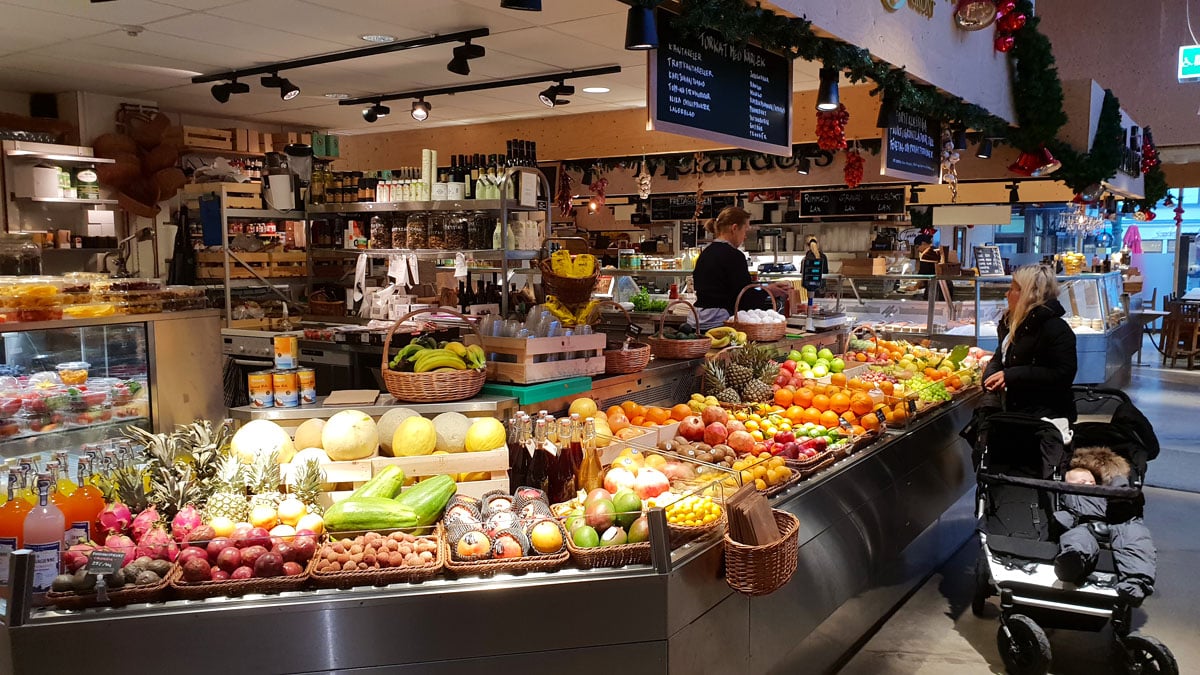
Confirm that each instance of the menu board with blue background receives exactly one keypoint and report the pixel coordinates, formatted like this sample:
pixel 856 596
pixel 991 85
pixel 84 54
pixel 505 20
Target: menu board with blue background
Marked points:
pixel 704 86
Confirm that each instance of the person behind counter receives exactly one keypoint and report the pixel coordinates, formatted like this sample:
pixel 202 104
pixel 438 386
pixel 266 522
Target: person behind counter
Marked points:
pixel 722 270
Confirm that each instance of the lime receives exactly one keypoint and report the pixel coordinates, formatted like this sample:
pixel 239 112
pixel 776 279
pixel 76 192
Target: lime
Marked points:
pixel 585 537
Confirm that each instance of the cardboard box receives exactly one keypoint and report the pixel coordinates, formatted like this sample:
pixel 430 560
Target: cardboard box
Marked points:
pixel 318 144
pixel 332 146
pixel 863 266
pixel 253 140
pixel 241 140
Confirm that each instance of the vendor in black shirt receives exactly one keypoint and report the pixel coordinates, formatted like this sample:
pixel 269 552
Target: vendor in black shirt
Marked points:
pixel 722 270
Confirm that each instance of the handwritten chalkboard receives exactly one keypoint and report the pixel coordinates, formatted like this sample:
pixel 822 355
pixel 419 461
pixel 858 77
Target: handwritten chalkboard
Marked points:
pixel 886 201
pixel 704 86
pixel 688 234
pixel 683 207
pixel 911 148
pixel 988 261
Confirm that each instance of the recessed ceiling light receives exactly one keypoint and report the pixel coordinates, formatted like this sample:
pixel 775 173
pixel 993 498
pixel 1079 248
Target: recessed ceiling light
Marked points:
pixel 596 90
pixel 378 39
pixel 336 94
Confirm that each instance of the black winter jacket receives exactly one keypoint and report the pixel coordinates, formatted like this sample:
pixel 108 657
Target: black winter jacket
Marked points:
pixel 1039 366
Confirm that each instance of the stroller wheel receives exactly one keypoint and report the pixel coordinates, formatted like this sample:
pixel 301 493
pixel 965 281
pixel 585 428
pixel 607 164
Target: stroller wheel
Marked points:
pixel 1144 654
pixel 1023 644
pixel 983 586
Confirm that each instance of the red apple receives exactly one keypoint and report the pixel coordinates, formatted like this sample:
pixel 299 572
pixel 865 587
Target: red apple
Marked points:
pixel 715 432
pixel 692 428
pixel 784 436
pixel 781 380
pixel 789 366
pixel 791 450
pixel 713 414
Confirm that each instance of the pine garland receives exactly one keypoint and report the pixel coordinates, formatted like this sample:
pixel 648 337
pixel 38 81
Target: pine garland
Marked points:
pixel 1155 188
pixel 1082 170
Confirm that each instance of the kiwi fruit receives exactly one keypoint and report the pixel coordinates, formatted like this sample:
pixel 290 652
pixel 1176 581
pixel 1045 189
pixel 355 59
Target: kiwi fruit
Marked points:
pixel 159 567
pixel 63 583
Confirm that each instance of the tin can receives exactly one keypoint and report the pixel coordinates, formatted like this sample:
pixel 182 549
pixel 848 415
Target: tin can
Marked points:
pixel 287 388
pixel 307 378
pixel 261 389
pixel 287 352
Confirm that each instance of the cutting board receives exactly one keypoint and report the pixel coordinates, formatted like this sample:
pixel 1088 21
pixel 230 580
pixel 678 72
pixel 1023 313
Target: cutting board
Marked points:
pixel 348 397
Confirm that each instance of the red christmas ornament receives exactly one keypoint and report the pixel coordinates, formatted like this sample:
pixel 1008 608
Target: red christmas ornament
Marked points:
pixel 1005 7
pixel 1004 43
pixel 1012 22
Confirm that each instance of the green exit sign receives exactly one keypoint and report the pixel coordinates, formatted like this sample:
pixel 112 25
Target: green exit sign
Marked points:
pixel 1189 63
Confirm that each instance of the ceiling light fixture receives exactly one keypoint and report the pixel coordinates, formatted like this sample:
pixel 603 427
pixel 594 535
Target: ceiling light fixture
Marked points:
pixel 420 110
pixel 287 90
pixel 958 136
pixel 375 112
pixel 596 90
pixel 550 95
pixel 1014 193
pixel 557 77
pixel 336 95
pixel 915 194
pixel 803 165
pixel 827 92
pixel 985 148
pixel 522 5
pixel 641 32
pixel 223 90
pixel 462 55
pixel 378 39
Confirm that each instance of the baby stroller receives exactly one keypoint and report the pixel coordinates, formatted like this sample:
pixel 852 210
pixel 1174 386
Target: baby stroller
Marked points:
pixel 1020 462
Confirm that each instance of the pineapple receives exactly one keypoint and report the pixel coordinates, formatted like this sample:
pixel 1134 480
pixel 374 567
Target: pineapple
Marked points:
pixel 172 488
pixel 729 395
pixel 264 480
pixel 205 445
pixel 758 391
pixel 738 376
pixel 126 485
pixel 714 377
pixel 228 497
pixel 306 485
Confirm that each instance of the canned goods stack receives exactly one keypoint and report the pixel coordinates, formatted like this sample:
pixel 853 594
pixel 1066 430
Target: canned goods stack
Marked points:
pixel 288 385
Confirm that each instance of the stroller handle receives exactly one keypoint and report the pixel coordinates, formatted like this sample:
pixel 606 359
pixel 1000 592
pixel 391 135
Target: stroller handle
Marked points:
pixel 1060 487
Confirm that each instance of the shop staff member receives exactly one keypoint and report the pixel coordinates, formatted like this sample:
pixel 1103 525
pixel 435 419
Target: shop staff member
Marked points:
pixel 928 258
pixel 722 272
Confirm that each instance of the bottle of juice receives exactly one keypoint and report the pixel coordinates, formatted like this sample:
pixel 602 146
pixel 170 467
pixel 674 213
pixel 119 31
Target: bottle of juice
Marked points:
pixel 587 476
pixel 43 534
pixel 56 497
pixel 66 486
pixel 562 467
pixel 12 522
pixel 26 490
pixel 84 507
pixel 540 456
pixel 516 454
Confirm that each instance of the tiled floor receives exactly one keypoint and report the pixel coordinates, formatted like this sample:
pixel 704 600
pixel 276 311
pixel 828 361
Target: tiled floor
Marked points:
pixel 935 632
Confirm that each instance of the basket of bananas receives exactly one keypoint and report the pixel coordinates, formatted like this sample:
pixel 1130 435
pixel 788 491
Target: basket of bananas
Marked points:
pixel 681 343
pixel 569 278
pixel 426 371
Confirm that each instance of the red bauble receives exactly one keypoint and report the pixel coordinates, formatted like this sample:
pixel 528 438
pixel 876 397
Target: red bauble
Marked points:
pixel 1004 7
pixel 1012 22
pixel 1004 43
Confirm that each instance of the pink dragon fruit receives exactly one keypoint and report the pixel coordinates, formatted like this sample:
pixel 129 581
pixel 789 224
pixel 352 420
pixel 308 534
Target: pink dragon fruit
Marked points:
pixel 184 522
pixel 76 557
pixel 123 544
pixel 143 522
pixel 115 518
pixel 157 544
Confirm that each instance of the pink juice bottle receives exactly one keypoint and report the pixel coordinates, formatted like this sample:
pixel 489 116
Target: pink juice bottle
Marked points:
pixel 43 534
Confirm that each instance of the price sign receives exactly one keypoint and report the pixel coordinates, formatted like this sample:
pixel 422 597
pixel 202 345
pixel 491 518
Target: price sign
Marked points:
pixel 988 261
pixel 101 563
pixel 881 416
pixel 687 234
pixel 886 201
pixel 912 407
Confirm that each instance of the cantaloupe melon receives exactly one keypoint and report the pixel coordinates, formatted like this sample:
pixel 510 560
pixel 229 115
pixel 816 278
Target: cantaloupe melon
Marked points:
pixel 350 434
pixel 261 436
pixel 308 434
pixel 387 427
pixel 451 429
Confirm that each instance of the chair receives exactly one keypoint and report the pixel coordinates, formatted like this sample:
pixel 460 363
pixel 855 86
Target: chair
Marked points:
pixel 1181 333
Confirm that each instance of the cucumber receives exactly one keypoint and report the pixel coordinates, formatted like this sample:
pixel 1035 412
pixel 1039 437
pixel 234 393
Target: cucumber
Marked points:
pixel 369 513
pixel 428 498
pixel 384 484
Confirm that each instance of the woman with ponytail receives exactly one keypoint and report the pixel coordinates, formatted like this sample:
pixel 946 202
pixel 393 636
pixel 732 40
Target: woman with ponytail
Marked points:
pixel 722 270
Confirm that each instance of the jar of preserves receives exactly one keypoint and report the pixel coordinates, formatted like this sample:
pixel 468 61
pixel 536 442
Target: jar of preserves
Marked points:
pixel 456 231
pixel 381 237
pixel 437 231
pixel 399 235
pixel 418 231
pixel 19 254
pixel 479 231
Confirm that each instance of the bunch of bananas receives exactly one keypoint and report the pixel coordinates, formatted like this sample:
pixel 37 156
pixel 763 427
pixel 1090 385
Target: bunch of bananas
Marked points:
pixel 724 336
pixel 424 355
pixel 573 267
pixel 567 315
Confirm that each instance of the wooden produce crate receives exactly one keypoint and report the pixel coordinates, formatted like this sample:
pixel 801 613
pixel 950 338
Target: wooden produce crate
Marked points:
pixel 232 195
pixel 288 264
pixel 527 371
pixel 494 462
pixel 275 264
pixel 203 137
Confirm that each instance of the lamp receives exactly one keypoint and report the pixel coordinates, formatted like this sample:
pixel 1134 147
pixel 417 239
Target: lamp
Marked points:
pixel 462 55
pixel 376 111
pixel 915 195
pixel 287 90
pixel 1014 193
pixel 420 110
pixel 985 148
pixel 887 108
pixel 641 32
pixel 958 136
pixel 550 95
pixel 222 91
pixel 803 165
pixel 523 5
pixel 827 92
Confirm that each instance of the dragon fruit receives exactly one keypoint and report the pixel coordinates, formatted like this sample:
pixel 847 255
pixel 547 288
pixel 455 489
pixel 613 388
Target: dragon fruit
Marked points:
pixel 143 522
pixel 123 544
pixel 115 518
pixel 185 521
pixel 157 544
pixel 76 557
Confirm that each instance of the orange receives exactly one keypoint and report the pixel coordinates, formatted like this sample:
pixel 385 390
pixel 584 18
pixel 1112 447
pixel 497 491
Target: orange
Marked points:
pixel 860 403
pixel 680 411
pixel 638 421
pixel 858 430
pixel 838 379
pixel 795 414
pixel 628 433
pixel 614 410
pixel 630 408
pixel 850 417
pixel 888 416
pixel 783 397
pixel 617 422
pixel 954 382
pixel 821 402
pixel 812 415
pixel 803 397
pixel 900 414
pixel 829 419
pixel 869 421
pixel 839 403
pixel 658 415
pixel 861 357
pixel 886 388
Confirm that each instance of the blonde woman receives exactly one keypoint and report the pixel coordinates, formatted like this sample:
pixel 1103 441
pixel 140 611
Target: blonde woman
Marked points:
pixel 1034 366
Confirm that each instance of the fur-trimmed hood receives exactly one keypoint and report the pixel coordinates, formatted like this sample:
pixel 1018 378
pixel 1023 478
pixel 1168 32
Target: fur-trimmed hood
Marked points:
pixel 1104 464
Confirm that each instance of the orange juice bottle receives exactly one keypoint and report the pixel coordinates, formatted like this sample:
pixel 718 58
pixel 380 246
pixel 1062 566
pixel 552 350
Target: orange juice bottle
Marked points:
pixel 65 486
pixel 83 507
pixel 26 490
pixel 12 522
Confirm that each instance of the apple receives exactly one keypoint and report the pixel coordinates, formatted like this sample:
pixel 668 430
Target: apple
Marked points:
pixel 837 366
pixel 692 428
pixel 713 414
pixel 794 355
pixel 715 433
pixel 782 379
pixel 788 365
pixel 741 441
pixel 619 479
pixel 810 358
pixel 790 450
pixel 825 354
pixel 785 436
pixel 650 483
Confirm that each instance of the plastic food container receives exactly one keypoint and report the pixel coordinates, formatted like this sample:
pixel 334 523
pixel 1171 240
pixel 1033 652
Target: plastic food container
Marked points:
pixel 89 311
pixel 73 372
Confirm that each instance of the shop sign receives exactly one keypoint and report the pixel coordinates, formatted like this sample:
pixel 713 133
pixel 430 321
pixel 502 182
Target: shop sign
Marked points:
pixel 827 203
pixel 988 261
pixel 910 148
pixel 684 207
pixel 922 7
pixel 704 86
pixel 1189 63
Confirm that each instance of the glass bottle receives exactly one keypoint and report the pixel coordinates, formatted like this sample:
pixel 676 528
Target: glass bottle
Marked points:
pixel 12 522
pixel 84 505
pixel 587 476
pixel 399 235
pixel 480 234
pixel 66 486
pixel 518 454
pixel 57 497
pixel 26 490
pixel 562 472
pixel 43 534
pixel 541 454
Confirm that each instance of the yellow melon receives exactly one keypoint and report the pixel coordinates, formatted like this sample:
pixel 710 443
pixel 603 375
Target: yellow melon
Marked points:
pixel 350 434
pixel 262 436
pixel 308 434
pixel 486 433
pixel 414 437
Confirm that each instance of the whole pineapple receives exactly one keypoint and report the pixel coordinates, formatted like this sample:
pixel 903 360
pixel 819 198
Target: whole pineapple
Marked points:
pixel 264 480
pixel 172 488
pixel 228 496
pixel 714 377
pixel 738 376
pixel 306 485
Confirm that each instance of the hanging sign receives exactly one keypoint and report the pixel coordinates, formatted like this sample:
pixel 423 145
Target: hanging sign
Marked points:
pixel 704 86
pixel 988 261
pixel 910 148
pixel 1189 64
pixel 886 201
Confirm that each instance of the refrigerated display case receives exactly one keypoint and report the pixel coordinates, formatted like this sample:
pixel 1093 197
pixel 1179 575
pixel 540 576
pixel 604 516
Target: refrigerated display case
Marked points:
pixel 1187 265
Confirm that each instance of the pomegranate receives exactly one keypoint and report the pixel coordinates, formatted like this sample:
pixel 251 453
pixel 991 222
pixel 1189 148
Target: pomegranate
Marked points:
pixel 692 428
pixel 715 433
pixel 741 441
pixel 713 414
pixel 143 522
pixel 184 522
pixel 115 518
pixel 196 569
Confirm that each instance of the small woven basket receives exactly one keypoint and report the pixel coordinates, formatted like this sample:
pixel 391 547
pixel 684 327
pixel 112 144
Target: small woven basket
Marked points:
pixel 610 556
pixel 664 348
pixel 485 568
pixel 622 361
pixel 682 534
pixel 568 290
pixel 321 304
pixel 760 570
pixel 794 478
pixel 233 588
pixel 757 332
pixel 430 387
pixel 383 576
pixel 116 598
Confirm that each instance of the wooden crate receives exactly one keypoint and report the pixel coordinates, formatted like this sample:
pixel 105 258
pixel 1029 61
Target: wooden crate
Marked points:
pixel 232 195
pixel 493 462
pixel 203 137
pixel 527 371
pixel 863 266
pixel 288 264
pixel 277 264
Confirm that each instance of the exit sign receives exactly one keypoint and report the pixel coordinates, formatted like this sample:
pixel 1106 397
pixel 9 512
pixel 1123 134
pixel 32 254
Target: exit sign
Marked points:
pixel 1189 63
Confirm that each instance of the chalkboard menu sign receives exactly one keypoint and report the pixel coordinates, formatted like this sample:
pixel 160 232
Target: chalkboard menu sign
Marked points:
pixel 704 86
pixel 688 234
pixel 911 148
pixel 988 261
pixel 683 207
pixel 886 201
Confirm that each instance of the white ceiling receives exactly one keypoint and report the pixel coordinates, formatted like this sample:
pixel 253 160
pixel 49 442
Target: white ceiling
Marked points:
pixel 67 45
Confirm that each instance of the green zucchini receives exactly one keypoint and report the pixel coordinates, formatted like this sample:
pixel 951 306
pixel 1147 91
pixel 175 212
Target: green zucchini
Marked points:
pixel 428 498
pixel 369 513
pixel 384 484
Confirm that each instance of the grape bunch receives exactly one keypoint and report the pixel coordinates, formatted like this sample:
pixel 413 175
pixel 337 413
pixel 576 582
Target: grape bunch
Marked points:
pixel 853 172
pixel 831 128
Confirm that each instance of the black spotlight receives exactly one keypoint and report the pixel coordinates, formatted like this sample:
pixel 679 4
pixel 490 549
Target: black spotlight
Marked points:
pixel 887 109
pixel 420 110
pixel 985 148
pixel 640 30
pixel 803 165
pixel 550 95
pixel 523 5
pixel 287 90
pixel 958 136
pixel 827 93
pixel 223 90
pixel 1014 193
pixel 376 111
pixel 915 195
pixel 462 55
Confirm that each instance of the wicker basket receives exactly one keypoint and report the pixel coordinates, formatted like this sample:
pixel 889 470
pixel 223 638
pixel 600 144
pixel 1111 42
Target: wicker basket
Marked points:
pixel 610 556
pixel 485 568
pixel 383 576
pixel 758 332
pixel 430 387
pixel 773 490
pixel 568 290
pixel 759 570
pixel 321 304
pixel 682 534
pixel 621 361
pixel 233 588
pixel 117 598
pixel 664 348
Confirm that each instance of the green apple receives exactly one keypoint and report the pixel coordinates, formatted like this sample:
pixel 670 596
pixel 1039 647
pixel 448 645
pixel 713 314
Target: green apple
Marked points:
pixel 825 354
pixel 820 370
pixel 794 355
pixel 810 358
pixel 808 348
pixel 837 365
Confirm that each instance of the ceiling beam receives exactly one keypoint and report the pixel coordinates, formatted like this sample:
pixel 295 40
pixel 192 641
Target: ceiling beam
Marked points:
pixel 481 86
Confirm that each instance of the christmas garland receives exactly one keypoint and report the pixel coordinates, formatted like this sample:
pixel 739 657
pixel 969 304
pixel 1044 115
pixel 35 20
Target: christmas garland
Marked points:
pixel 1082 170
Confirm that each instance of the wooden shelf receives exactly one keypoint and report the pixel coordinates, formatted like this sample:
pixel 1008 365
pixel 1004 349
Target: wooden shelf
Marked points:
pixel 65 200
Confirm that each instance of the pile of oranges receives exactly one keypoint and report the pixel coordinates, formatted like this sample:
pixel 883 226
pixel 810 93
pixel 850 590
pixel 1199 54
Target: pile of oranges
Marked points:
pixel 629 419
pixel 841 400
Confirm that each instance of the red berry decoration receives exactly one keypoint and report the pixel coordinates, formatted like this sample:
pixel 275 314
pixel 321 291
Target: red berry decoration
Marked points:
pixel 1005 7
pixel 1004 43
pixel 831 128
pixel 1011 23
pixel 853 173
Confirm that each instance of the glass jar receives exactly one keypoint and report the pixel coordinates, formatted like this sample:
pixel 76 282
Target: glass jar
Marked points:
pixel 380 235
pixel 418 231
pixel 456 232
pixel 437 231
pixel 399 235
pixel 479 232
pixel 19 255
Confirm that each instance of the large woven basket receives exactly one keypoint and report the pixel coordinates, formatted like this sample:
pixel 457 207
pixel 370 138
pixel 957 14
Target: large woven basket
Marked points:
pixel 568 290
pixel 664 348
pixel 127 595
pixel 196 590
pixel 430 387
pixel 757 332
pixel 759 570
pixel 622 361
pixel 383 576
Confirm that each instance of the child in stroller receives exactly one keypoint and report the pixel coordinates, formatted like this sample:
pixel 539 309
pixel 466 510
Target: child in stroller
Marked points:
pixel 1085 523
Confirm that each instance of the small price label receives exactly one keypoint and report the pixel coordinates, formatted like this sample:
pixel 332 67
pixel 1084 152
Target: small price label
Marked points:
pixel 881 416
pixel 912 406
pixel 844 424
pixel 105 562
